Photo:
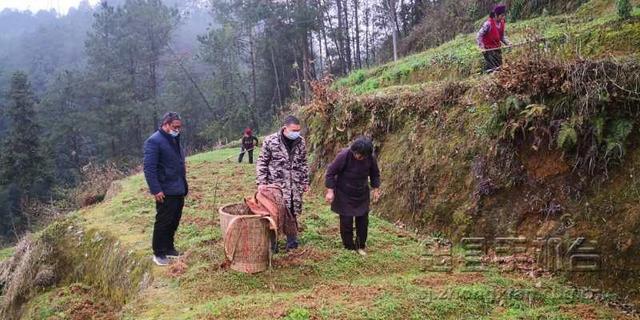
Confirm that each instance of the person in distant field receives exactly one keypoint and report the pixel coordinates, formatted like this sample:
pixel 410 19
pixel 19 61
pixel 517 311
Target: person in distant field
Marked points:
pixel 283 163
pixel 491 37
pixel 347 181
pixel 166 176
pixel 249 142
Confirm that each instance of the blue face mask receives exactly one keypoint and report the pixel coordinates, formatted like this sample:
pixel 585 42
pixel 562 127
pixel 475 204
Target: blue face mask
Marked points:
pixel 174 133
pixel 292 135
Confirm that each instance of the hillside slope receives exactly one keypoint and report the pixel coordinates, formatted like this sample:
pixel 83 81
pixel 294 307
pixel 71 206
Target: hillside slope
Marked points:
pixel 318 281
pixel 545 149
pixel 593 31
pixel 535 151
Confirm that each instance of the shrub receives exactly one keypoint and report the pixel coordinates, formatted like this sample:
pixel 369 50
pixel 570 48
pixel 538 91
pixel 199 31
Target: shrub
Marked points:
pixel 624 8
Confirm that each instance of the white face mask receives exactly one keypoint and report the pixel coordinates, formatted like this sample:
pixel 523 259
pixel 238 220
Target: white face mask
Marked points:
pixel 174 133
pixel 293 135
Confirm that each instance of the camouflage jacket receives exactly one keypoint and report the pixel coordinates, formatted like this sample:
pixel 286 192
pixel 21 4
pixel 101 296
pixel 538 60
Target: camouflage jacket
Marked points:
pixel 290 172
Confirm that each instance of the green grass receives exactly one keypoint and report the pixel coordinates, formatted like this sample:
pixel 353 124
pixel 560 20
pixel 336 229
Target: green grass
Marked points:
pixel 320 281
pixel 6 253
pixel 593 31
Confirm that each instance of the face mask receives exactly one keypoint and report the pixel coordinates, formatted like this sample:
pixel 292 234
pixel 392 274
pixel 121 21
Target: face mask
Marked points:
pixel 174 133
pixel 293 135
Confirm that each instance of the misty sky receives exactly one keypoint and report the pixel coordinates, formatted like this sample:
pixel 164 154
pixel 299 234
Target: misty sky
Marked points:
pixel 62 6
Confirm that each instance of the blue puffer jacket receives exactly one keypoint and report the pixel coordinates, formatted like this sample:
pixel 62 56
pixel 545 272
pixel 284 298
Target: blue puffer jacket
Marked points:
pixel 164 167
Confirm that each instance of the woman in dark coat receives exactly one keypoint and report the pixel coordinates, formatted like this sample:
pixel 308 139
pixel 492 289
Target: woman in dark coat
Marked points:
pixel 347 181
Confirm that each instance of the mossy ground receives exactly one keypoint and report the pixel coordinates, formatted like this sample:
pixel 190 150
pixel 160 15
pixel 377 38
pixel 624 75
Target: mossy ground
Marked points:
pixel 318 281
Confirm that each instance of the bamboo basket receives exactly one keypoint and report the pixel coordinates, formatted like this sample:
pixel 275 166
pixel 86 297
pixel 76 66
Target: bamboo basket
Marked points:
pixel 247 238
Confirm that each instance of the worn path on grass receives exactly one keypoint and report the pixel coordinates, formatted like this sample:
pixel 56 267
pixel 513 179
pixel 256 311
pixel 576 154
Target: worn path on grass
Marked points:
pixel 318 281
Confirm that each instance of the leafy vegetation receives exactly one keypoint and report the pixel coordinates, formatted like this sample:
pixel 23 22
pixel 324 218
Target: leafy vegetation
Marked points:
pixel 624 8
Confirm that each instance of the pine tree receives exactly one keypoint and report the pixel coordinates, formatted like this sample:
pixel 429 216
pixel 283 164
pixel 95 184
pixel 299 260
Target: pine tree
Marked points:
pixel 23 163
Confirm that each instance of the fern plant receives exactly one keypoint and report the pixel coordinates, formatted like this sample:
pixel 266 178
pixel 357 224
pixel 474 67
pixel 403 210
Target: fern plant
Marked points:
pixel 617 133
pixel 624 8
pixel 567 136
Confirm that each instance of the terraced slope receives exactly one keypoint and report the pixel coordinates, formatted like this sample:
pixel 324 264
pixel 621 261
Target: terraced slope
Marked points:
pixel 318 281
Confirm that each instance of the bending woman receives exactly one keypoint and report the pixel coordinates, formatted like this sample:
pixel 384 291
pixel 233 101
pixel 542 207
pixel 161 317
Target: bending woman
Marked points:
pixel 347 181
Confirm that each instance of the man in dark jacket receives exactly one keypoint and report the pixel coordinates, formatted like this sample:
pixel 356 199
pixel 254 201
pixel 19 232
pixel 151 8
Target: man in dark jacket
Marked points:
pixel 347 181
pixel 165 172
pixel 249 142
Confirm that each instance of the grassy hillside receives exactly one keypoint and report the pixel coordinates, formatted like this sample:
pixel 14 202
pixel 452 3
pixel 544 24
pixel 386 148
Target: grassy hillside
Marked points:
pixel 545 148
pixel 318 281
pixel 595 31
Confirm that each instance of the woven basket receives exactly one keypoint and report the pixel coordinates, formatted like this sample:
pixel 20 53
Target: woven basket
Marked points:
pixel 246 238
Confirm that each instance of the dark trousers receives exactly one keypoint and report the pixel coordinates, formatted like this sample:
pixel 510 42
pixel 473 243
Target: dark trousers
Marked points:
pixel 168 214
pixel 492 60
pixel 292 241
pixel 250 152
pixel 346 231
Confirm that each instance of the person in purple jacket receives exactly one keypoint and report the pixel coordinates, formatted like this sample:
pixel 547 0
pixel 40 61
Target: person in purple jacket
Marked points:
pixel 347 180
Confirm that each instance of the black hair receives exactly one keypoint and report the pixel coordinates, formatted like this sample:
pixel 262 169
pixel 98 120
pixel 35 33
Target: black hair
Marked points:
pixel 170 117
pixel 362 146
pixel 291 120
pixel 492 15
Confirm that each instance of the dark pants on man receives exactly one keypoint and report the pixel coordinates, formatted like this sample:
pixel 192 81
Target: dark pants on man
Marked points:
pixel 168 214
pixel 492 60
pixel 247 150
pixel 292 241
pixel 346 231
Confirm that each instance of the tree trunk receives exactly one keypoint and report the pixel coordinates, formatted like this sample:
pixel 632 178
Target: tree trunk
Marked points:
pixel 306 72
pixel 253 70
pixel 338 44
pixel 347 37
pixel 357 27
pixel 394 37
pixel 277 78
pixel 367 19
pixel 320 56
pixel 340 39
pixel 393 18
pixel 323 33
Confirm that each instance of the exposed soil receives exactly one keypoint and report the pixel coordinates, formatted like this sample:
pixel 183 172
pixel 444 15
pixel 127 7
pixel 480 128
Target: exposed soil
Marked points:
pixel 177 268
pixel 83 305
pixel 588 312
pixel 300 257
pixel 543 163
pixel 444 279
